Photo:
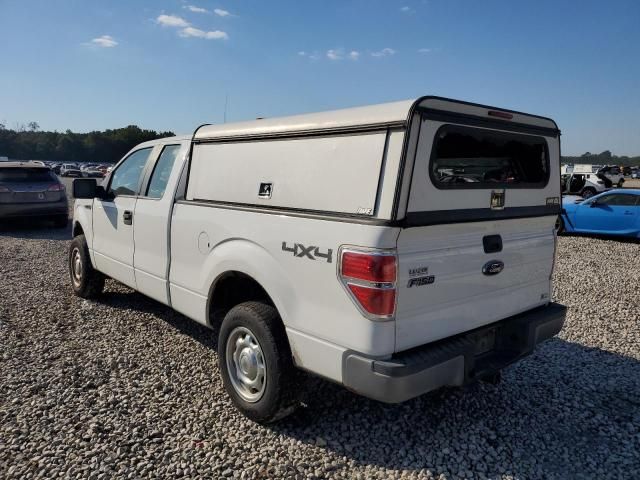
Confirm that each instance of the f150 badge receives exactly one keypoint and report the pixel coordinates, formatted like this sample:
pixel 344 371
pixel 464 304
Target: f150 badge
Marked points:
pixel 311 252
pixel 420 281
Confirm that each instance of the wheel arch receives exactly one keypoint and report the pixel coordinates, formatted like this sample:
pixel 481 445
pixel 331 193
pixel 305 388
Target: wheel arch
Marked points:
pixel 230 288
pixel 77 229
pixel 83 224
pixel 244 271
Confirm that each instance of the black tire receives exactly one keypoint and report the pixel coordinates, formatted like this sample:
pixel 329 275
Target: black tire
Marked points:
pixel 621 183
pixel 277 395
pixel 588 192
pixel 61 221
pixel 85 280
pixel 559 225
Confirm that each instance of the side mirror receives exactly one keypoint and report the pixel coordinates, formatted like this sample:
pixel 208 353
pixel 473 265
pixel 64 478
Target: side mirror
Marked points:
pixel 84 188
pixel 88 188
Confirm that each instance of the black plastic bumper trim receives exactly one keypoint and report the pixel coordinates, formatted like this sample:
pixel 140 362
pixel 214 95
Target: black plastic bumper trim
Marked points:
pixel 453 361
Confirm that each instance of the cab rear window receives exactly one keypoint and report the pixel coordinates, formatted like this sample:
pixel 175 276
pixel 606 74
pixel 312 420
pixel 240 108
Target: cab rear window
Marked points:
pixel 25 175
pixel 468 158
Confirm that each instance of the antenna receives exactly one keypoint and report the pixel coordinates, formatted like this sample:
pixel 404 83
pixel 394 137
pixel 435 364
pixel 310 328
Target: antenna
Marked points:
pixel 226 103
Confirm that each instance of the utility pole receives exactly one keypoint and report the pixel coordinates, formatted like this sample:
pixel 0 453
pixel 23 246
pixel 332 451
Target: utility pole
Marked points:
pixel 226 103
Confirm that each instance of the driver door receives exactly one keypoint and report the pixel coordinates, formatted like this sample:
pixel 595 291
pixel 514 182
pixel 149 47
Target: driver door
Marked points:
pixel 113 219
pixel 610 213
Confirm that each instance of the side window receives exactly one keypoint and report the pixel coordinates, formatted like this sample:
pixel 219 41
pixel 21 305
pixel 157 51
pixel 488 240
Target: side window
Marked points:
pixel 161 171
pixel 126 178
pixel 618 199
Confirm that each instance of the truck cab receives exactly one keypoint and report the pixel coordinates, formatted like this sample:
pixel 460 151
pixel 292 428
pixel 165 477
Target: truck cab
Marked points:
pixel 394 249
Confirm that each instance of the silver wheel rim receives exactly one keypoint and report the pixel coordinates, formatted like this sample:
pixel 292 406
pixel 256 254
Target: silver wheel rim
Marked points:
pixel 76 267
pixel 246 365
pixel 558 224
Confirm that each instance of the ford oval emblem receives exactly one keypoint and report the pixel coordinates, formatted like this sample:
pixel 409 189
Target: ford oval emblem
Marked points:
pixel 493 267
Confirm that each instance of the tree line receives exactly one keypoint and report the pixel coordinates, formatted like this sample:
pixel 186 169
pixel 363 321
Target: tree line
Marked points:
pixel 604 158
pixel 27 142
pixel 108 146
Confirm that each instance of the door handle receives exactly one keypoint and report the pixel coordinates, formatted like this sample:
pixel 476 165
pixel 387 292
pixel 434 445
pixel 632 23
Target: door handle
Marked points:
pixel 127 216
pixel 627 212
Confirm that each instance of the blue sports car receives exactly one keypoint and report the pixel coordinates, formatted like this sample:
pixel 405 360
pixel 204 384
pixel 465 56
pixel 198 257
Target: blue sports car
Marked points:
pixel 615 212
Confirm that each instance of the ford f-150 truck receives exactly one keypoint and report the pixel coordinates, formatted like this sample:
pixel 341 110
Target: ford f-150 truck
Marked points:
pixel 394 249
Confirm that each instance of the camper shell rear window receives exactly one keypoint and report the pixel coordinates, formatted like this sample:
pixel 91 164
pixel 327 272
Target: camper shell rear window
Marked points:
pixel 474 158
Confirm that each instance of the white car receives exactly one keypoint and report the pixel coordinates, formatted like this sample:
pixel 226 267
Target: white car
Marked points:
pixel 614 174
pixel 584 184
pixel 337 243
pixel 70 170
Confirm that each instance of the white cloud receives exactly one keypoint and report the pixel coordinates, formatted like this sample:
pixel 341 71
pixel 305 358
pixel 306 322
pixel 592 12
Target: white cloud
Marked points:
pixel 172 21
pixel 302 53
pixel 105 41
pixel 385 52
pixel 339 54
pixel 334 54
pixel 196 32
pixel 193 8
pixel 424 50
pixel 221 13
pixel 405 9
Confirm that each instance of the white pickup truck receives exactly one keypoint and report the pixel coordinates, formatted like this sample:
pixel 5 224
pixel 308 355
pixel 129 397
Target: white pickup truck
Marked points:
pixel 394 249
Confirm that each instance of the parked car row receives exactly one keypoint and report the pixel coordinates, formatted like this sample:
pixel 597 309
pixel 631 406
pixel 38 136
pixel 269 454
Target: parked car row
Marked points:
pixel 75 169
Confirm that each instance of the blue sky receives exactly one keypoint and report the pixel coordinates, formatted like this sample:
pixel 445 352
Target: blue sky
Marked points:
pixel 169 64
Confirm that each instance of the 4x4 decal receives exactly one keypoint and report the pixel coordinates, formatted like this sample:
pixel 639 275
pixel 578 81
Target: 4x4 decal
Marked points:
pixel 311 253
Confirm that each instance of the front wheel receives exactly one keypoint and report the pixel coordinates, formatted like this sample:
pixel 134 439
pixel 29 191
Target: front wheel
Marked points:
pixel 255 362
pixel 85 280
pixel 588 193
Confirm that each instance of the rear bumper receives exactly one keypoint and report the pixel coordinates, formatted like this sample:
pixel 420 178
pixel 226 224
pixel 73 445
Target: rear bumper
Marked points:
pixel 17 210
pixel 453 361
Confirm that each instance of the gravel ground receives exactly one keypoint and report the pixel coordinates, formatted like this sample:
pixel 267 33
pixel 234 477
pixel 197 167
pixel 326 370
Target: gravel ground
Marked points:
pixel 126 388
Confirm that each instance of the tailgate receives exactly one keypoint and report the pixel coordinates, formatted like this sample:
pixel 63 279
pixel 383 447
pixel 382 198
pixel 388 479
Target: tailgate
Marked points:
pixel 444 286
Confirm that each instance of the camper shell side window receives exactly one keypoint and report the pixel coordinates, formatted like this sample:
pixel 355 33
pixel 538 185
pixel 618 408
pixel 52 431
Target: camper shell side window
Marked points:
pixel 464 157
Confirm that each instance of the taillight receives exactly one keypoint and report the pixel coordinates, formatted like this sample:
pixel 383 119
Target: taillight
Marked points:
pixel 56 187
pixel 370 279
pixel 371 267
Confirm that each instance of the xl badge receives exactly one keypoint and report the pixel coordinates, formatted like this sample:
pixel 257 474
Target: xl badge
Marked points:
pixel 497 199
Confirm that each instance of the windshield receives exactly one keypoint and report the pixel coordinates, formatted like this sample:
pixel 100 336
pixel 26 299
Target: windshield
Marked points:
pixel 467 157
pixel 25 175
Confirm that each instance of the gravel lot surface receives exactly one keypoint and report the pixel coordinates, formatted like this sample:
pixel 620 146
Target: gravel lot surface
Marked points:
pixel 126 388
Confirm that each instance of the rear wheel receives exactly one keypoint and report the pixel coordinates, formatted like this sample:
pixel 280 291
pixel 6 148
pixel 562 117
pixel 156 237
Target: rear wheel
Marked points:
pixel 255 361
pixel 559 225
pixel 588 192
pixel 85 280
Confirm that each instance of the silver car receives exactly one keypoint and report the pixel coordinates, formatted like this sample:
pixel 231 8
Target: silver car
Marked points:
pixel 34 191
